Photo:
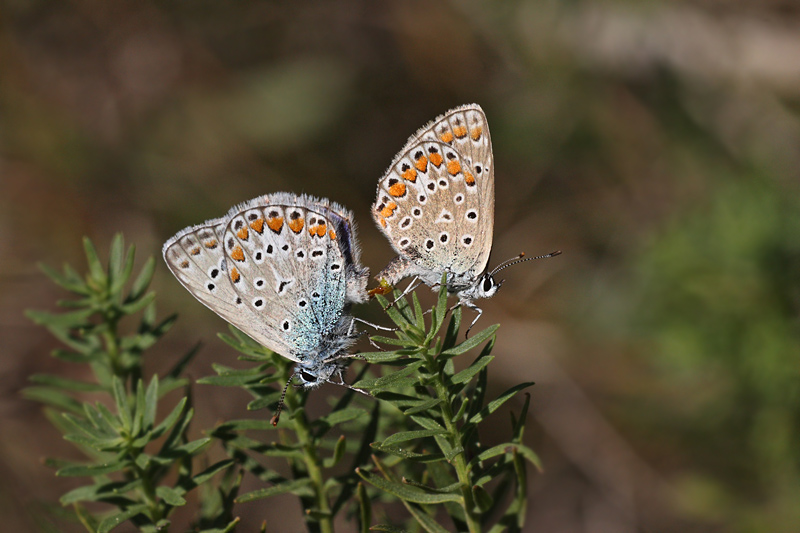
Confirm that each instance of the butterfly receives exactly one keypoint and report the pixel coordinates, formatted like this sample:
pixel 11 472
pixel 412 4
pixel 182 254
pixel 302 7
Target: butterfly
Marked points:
pixel 435 205
pixel 283 269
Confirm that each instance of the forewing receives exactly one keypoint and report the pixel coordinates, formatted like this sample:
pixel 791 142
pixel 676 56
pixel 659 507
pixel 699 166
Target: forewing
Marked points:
pixel 436 202
pixel 196 257
pixel 289 269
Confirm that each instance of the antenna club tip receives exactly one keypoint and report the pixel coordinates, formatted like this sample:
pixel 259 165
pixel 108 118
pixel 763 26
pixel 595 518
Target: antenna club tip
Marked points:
pixel 522 254
pixel 274 420
pixel 553 254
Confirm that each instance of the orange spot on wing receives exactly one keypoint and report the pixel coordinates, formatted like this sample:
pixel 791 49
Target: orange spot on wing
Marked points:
pixel 410 175
pixel 210 244
pixel 382 222
pixel 257 225
pixel 237 254
pixel 446 137
pixel 436 159
pixel 469 178
pixel 453 167
pixel 296 225
pixel 422 164
pixel 235 275
pixel 476 133
pixel 332 235
pixel 243 233
pixel 196 250
pixel 398 189
pixel 185 264
pixel 388 210
pixel 275 224
pixel 321 229
pixel 460 132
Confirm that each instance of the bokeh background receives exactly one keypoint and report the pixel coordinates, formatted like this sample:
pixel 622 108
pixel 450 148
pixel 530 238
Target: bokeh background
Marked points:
pixel 656 143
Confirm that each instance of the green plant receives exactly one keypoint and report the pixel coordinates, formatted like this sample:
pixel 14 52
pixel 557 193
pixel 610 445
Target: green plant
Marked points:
pixel 415 444
pixel 435 408
pixel 140 467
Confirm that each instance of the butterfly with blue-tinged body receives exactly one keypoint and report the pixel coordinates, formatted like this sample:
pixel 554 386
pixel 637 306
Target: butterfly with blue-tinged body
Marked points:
pixel 283 269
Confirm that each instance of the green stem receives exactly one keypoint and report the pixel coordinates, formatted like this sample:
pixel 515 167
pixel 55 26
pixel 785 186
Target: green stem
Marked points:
pixel 459 460
pixel 148 492
pixel 312 462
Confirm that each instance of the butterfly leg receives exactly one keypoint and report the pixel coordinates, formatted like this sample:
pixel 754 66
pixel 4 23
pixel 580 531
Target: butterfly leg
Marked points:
pixel 360 333
pixel 475 308
pixel 411 287
pixel 376 326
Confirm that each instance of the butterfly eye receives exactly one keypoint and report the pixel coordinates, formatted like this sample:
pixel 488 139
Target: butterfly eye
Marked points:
pixel 308 378
pixel 487 284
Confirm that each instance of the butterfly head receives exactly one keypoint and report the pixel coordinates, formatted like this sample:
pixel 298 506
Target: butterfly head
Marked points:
pixel 487 286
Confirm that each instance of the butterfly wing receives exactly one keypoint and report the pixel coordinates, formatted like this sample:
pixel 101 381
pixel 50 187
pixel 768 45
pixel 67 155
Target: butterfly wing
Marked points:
pixel 435 204
pixel 291 268
pixel 196 258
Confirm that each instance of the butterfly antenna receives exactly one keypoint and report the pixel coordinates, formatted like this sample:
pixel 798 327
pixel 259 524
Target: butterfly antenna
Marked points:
pixel 521 259
pixel 277 416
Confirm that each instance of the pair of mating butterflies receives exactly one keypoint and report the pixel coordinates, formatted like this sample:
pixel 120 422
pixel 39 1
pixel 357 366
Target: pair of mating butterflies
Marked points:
pixel 285 269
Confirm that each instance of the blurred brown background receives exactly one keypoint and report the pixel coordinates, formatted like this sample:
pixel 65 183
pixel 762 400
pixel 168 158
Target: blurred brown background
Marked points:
pixel 656 143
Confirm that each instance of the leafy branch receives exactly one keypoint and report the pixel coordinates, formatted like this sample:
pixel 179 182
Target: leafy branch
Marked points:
pixel 127 468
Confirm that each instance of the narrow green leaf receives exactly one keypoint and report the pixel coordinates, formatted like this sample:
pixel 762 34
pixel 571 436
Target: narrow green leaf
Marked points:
pixel 150 404
pixel 453 488
pixel 408 454
pixel 386 528
pixel 54 398
pixel 125 274
pixel 121 400
pixel 86 518
pixel 382 357
pixel 391 378
pixel 142 281
pixel 440 310
pixel 170 495
pixel 483 501
pixel 67 280
pixel 530 455
pixel 99 491
pixel 117 519
pixel 400 341
pixel 75 470
pixel 243 425
pixel 341 416
pixel 281 488
pixel 96 269
pixel 406 493
pixel 115 259
pixel 492 406
pixel 139 409
pixel 519 426
pixel 364 509
pixel 74 319
pixel 424 406
pixel 99 421
pixel 418 314
pixel 468 373
pixel 472 342
pixel 211 471
pixel 424 519
pixel 137 305
pixel 82 425
pixel 412 435
pixel 65 383
pixel 73 357
pixel 338 453
pixel 170 420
